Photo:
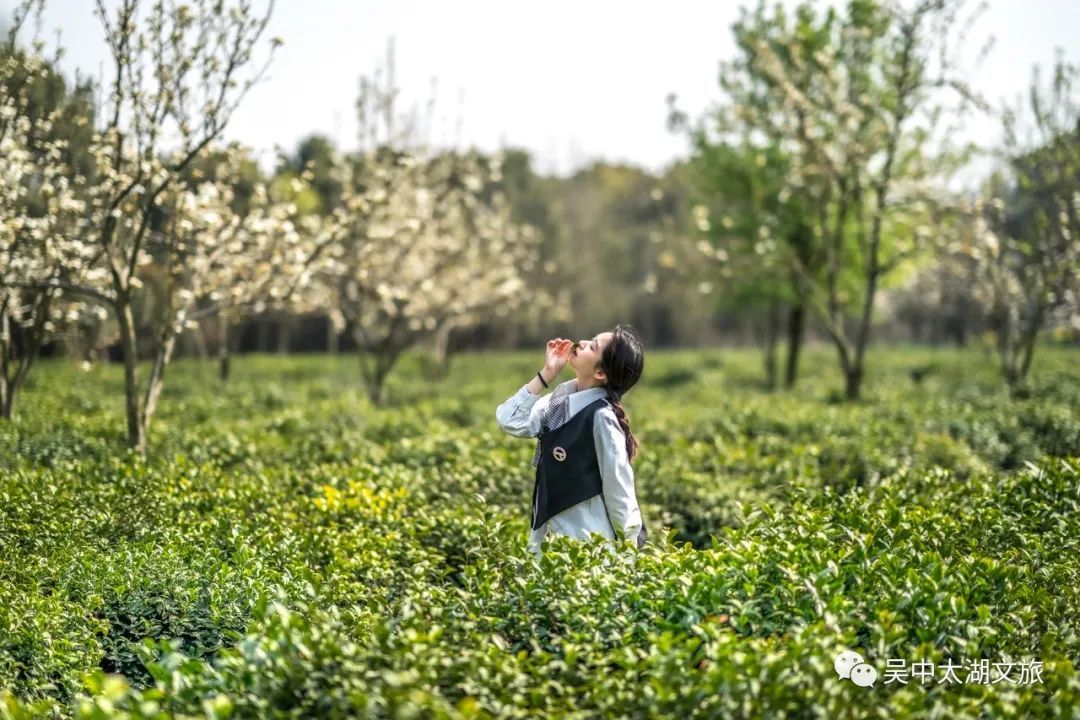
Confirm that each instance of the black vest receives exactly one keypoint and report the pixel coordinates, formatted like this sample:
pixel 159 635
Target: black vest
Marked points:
pixel 569 472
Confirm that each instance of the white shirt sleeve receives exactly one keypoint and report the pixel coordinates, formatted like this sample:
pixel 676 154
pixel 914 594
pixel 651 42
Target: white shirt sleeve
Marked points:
pixel 616 474
pixel 521 414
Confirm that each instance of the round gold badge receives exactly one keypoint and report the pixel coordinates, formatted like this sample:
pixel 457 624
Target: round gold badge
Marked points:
pixel 559 453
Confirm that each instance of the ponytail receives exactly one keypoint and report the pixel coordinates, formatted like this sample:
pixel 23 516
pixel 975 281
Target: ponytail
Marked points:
pixel 624 422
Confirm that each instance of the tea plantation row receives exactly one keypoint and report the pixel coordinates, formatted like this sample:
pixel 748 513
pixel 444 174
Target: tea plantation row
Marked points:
pixel 290 551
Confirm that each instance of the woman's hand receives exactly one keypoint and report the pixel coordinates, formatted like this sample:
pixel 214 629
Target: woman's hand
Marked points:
pixel 558 352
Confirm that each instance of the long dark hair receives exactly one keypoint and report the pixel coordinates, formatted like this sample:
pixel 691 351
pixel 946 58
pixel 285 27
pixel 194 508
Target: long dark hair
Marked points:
pixel 622 361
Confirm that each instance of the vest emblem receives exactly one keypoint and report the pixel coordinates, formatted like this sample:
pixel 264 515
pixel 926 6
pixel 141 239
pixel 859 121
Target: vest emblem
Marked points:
pixel 559 453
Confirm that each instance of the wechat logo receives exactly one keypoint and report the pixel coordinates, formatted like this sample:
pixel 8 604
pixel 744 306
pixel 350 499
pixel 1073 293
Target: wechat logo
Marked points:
pixel 849 665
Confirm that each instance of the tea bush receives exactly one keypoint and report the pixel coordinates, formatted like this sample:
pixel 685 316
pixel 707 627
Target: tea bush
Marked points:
pixel 288 550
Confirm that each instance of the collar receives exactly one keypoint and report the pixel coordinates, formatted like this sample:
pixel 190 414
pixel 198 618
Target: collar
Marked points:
pixel 578 400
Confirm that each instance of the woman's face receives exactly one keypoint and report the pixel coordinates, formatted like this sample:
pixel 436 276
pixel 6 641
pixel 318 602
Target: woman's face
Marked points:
pixel 585 355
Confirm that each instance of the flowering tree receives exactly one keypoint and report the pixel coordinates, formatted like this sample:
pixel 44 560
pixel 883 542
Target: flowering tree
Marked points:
pixel 420 248
pixel 230 258
pixel 42 228
pixel 853 101
pixel 178 74
pixel 1026 228
pixel 419 243
pixel 217 260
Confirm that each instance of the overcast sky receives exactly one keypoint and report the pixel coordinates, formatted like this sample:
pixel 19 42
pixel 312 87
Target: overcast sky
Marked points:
pixel 570 81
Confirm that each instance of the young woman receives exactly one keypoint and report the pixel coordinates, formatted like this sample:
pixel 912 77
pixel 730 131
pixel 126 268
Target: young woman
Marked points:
pixel 584 481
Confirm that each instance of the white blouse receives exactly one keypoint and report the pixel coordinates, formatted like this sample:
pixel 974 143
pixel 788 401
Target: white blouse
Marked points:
pixel 521 416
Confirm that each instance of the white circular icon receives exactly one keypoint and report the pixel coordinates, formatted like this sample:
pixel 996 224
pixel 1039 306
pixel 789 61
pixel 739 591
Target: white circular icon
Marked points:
pixel 559 453
pixel 845 661
pixel 863 675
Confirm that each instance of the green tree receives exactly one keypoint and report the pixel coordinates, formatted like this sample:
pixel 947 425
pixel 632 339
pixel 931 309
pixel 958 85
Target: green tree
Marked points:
pixel 1028 226
pixel 844 96
pixel 745 208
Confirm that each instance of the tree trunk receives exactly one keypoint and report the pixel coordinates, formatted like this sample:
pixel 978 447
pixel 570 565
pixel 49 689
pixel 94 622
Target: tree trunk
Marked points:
pixel 1025 359
pixel 1010 347
pixel 1018 351
pixel 375 365
pixel 136 431
pixel 1009 368
pixel 333 340
pixel 262 333
pixel 772 333
pixel 224 354
pixel 7 400
pixel 284 334
pixel 31 341
pixel 853 377
pixel 375 368
pixel 200 343
pixel 1027 341
pixel 796 322
pixel 14 384
pixel 369 366
pixel 157 378
pixel 440 366
pixel 959 331
pixel 7 393
pixel 377 359
pixel 377 389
